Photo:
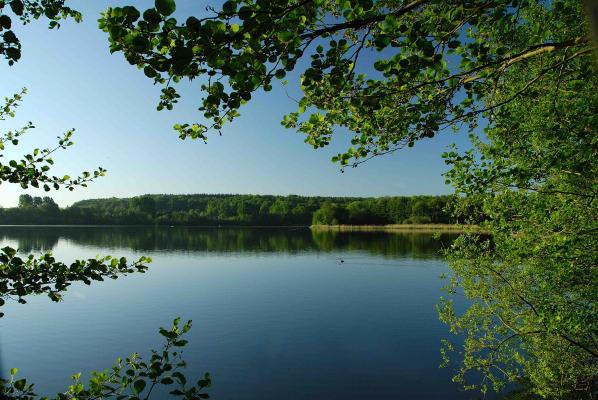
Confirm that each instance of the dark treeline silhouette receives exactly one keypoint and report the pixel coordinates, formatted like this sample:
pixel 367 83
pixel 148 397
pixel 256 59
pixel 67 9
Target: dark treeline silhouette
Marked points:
pixel 225 209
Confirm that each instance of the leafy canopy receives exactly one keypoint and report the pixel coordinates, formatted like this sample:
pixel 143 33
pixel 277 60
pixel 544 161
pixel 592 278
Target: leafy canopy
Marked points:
pixel 533 282
pixel 391 72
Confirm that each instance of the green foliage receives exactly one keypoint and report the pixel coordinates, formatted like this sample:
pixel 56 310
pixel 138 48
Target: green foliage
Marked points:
pixel 129 379
pixel 165 7
pixel 435 64
pixel 329 214
pixel 204 209
pixel 143 204
pixel 34 169
pixel 533 281
pixel 25 201
pixel 25 11
pixel 46 203
pixel 21 277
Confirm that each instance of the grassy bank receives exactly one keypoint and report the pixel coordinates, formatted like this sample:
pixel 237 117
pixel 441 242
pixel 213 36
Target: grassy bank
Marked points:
pixel 397 228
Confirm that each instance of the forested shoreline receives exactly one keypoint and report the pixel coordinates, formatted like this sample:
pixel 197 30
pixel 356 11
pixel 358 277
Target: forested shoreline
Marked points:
pixel 232 209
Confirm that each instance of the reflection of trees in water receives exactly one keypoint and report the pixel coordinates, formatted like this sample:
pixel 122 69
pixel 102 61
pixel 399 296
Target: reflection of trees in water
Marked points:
pixel 418 245
pixel 31 240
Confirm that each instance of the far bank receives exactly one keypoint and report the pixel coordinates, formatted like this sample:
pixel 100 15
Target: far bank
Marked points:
pixel 423 228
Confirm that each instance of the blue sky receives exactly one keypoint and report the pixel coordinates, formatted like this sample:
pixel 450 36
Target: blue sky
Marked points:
pixel 74 82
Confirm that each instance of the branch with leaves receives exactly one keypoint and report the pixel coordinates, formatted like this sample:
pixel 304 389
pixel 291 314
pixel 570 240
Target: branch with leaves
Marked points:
pixel 433 65
pixel 533 281
pixel 34 169
pixel 130 379
pixel 21 277
pixel 24 11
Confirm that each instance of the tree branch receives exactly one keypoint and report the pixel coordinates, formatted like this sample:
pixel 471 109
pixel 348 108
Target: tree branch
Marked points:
pixel 363 22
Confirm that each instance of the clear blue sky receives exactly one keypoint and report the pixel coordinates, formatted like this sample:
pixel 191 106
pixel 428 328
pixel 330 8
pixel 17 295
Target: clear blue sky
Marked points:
pixel 74 81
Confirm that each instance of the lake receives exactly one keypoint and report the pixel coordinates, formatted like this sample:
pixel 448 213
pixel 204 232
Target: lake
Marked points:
pixel 275 313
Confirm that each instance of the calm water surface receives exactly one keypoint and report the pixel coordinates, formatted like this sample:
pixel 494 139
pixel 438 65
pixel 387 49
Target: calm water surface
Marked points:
pixel 276 315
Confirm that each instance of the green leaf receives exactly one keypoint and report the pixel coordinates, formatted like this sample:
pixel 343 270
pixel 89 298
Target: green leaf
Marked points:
pixel 229 7
pixel 285 36
pixel 20 384
pixel 17 7
pixel 5 21
pixel 150 72
pixel 10 37
pixel 138 386
pixel 165 7
pixel 179 377
pixel 151 16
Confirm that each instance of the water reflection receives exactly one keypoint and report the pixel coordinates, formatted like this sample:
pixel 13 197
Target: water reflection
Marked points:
pixel 273 310
pixel 226 240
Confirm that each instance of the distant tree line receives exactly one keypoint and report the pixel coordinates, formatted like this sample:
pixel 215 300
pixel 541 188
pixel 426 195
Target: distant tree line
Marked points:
pixel 225 209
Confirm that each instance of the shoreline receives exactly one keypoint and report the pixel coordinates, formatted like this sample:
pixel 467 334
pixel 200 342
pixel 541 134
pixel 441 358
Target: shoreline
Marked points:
pixel 446 228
